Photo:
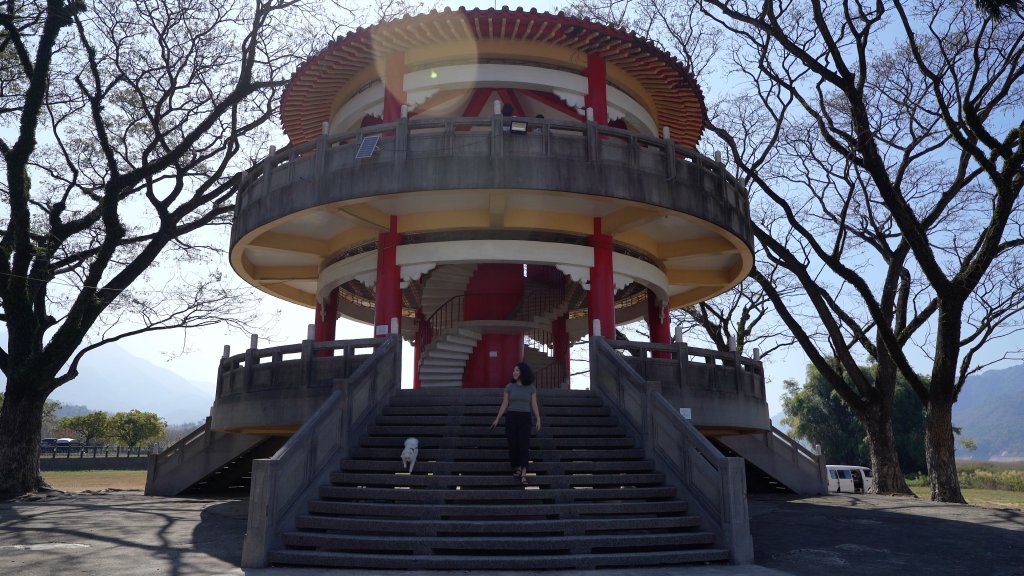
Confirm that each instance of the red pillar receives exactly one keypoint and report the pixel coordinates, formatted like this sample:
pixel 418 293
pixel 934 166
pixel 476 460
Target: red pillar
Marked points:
pixel 597 88
pixel 602 284
pixel 658 323
pixel 394 86
pixel 389 277
pixel 326 321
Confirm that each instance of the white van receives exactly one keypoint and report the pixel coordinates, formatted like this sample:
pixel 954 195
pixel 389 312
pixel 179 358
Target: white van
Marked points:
pixel 851 479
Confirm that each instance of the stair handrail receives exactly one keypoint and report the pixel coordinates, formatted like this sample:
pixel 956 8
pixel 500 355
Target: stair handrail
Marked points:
pixel 194 443
pixel 284 483
pixel 553 376
pixel 715 483
pixel 537 302
pixel 444 319
pixel 449 314
pixel 797 449
pixel 541 338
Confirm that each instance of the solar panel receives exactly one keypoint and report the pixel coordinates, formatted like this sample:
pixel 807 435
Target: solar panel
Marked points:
pixel 367 146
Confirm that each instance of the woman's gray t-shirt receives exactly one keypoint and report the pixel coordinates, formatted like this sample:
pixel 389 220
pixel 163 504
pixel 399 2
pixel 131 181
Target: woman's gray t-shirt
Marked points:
pixel 519 396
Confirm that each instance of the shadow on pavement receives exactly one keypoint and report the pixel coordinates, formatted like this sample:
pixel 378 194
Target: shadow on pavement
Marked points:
pixel 221 530
pixel 840 535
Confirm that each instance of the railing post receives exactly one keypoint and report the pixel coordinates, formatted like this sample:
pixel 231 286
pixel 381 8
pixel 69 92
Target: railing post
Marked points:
pixel 591 134
pixel 402 135
pixel 307 363
pixel 737 369
pixel 250 361
pixel 496 131
pixel 670 154
pixel 267 164
pixel 735 516
pixel 320 160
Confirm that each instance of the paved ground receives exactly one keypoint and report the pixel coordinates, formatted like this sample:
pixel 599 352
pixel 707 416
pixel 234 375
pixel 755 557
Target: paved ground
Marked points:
pixel 124 532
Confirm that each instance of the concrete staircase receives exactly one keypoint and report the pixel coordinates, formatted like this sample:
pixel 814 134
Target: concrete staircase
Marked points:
pixel 444 360
pixel 592 499
pixel 207 461
pixel 444 283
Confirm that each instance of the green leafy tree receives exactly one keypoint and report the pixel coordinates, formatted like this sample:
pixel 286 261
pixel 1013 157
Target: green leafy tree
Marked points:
pixel 817 413
pixel 134 428
pixel 999 9
pixel 88 427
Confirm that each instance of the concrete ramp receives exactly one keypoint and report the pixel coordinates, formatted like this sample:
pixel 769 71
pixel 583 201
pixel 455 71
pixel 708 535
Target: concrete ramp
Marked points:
pixel 206 458
pixel 782 458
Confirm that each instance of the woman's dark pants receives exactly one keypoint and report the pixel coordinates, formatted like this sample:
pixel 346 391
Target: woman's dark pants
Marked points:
pixel 517 430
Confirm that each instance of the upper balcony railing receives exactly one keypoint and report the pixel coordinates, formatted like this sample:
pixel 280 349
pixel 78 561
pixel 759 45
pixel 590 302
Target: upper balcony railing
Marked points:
pixel 481 153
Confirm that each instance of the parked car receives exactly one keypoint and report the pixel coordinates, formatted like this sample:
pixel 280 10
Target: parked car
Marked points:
pixel 47 444
pixel 69 445
pixel 852 479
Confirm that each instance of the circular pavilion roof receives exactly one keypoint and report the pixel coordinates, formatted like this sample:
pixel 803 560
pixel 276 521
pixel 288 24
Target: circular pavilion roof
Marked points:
pixel 670 89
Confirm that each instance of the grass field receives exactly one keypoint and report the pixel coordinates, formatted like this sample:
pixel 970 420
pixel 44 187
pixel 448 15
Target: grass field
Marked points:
pixel 981 497
pixel 81 480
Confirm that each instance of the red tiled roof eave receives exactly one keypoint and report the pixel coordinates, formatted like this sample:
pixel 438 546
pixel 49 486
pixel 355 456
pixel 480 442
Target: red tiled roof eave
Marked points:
pixel 310 94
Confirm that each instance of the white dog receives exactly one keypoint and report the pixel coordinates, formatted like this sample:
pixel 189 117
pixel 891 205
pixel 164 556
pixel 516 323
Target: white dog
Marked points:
pixel 412 448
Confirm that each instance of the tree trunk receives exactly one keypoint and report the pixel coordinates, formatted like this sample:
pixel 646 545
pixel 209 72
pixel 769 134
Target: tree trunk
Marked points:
pixel 21 423
pixel 941 454
pixel 885 460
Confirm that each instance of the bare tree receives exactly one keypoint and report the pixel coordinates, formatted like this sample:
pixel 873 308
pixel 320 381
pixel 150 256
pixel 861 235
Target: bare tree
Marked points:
pixel 743 316
pixel 124 124
pixel 887 142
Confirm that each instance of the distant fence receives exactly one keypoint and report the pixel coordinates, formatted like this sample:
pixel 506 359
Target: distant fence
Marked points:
pixel 94 452
pixel 90 463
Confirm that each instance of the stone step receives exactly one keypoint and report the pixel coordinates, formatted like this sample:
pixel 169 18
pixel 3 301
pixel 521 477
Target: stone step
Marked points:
pixel 589 510
pixel 490 562
pixel 503 526
pixel 548 430
pixel 392 465
pixel 489 410
pixel 467 423
pixel 476 481
pixel 457 338
pixel 510 494
pixel 498 441
pixel 449 347
pixel 473 454
pixel 489 545
pixel 427 370
pixel 437 361
pixel 440 384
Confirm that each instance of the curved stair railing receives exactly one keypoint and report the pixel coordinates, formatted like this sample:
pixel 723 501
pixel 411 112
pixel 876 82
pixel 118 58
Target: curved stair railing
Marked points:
pixel 716 483
pixel 446 317
pixel 283 485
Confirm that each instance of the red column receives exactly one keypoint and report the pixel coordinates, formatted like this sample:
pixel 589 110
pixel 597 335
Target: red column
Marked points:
pixel 394 86
pixel 597 88
pixel 602 284
pixel 389 277
pixel 658 323
pixel 326 321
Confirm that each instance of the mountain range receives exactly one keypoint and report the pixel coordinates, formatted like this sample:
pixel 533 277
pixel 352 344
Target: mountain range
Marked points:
pixel 990 411
pixel 112 380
